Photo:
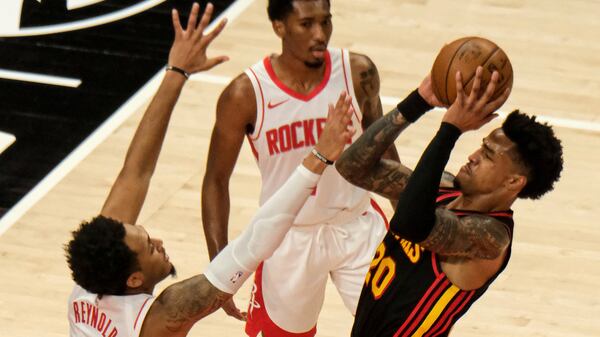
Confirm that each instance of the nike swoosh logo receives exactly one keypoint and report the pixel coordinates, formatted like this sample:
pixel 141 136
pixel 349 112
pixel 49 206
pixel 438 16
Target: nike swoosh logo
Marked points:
pixel 273 106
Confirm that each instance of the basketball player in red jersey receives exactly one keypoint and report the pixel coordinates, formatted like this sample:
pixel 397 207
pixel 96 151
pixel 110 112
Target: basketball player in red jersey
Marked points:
pixel 116 264
pixel 447 242
pixel 279 104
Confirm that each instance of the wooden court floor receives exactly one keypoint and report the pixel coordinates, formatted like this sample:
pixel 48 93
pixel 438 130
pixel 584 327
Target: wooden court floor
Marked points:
pixel 550 288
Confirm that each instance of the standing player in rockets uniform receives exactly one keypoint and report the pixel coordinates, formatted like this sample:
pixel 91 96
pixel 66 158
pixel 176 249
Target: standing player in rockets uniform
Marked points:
pixel 445 245
pixel 116 264
pixel 280 105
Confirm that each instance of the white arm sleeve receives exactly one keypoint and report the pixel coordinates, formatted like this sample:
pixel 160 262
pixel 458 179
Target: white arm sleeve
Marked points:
pixel 236 262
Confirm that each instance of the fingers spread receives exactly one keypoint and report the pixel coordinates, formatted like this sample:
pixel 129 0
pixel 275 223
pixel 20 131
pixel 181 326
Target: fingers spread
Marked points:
pixel 176 23
pixel 214 33
pixel 476 84
pixel 205 20
pixel 460 92
pixel 191 26
pixel 211 62
pixel 497 103
pixel 491 87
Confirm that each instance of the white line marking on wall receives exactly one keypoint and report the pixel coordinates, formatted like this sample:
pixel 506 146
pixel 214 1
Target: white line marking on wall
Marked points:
pixel 39 78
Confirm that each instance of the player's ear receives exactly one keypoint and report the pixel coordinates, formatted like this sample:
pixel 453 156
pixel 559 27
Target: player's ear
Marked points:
pixel 135 280
pixel 278 28
pixel 516 182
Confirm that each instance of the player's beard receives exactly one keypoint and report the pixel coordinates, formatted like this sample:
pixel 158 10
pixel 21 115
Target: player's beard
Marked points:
pixel 173 272
pixel 314 64
pixel 456 183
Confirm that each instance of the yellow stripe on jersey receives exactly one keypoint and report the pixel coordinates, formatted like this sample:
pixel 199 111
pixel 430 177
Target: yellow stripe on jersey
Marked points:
pixel 436 311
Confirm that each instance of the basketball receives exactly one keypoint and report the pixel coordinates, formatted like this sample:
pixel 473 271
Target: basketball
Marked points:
pixel 465 55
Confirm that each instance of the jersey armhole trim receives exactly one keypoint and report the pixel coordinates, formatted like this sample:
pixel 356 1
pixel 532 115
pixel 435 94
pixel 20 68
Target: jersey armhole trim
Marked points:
pixel 256 84
pixel 351 84
pixel 139 313
pixel 436 266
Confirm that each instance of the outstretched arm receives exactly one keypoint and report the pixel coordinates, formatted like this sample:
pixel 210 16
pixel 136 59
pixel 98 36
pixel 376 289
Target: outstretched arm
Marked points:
pixel 182 304
pixel 188 53
pixel 365 162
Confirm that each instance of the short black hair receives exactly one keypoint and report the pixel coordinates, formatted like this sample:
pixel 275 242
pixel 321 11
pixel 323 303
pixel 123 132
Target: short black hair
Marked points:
pixel 538 149
pixel 280 9
pixel 99 259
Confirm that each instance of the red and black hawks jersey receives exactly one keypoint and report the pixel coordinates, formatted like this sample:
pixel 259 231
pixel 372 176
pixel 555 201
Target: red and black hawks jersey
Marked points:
pixel 406 293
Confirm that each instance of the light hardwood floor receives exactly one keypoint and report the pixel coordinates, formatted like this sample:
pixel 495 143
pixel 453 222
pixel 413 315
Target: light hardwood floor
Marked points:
pixel 551 285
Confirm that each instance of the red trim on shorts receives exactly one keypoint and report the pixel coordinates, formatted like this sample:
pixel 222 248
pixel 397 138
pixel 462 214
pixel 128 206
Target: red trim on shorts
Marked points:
pixel 139 312
pixel 348 88
pixel 258 318
pixel 380 211
pixel 295 94
pixel 262 97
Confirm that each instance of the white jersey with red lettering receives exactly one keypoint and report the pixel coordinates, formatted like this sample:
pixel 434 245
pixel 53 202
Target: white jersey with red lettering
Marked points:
pixel 288 125
pixel 110 316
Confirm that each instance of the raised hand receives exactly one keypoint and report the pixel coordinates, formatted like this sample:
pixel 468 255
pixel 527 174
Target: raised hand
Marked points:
pixel 189 48
pixel 475 110
pixel 426 91
pixel 338 129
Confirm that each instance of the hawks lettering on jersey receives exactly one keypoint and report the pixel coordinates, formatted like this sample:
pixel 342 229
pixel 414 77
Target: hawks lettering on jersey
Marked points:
pixel 406 293
pixel 383 268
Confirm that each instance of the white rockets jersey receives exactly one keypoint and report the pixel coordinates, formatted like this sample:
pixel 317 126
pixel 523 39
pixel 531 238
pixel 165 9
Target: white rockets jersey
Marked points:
pixel 287 127
pixel 111 316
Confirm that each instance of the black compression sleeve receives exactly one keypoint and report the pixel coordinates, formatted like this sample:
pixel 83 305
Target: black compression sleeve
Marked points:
pixel 413 106
pixel 415 214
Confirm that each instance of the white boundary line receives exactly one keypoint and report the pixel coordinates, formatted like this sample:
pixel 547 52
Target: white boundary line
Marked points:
pixel 74 4
pixel 39 78
pixel 389 100
pixel 6 140
pixel 101 133
pixel 86 23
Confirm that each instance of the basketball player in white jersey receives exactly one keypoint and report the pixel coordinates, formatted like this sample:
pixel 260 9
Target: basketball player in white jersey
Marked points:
pixel 280 104
pixel 116 264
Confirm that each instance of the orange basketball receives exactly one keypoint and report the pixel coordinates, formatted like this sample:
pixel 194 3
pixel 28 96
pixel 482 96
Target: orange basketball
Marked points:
pixel 465 55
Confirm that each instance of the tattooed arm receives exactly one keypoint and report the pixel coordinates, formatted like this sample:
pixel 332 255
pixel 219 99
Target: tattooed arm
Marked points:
pixel 181 305
pixel 366 87
pixel 474 236
pixel 362 163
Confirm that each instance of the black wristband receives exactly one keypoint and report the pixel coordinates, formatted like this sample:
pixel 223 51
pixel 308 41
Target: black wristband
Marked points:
pixel 321 157
pixel 413 106
pixel 178 70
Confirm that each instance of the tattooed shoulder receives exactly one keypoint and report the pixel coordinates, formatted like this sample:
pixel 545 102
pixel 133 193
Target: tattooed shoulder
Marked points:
pixel 182 304
pixel 366 83
pixel 474 236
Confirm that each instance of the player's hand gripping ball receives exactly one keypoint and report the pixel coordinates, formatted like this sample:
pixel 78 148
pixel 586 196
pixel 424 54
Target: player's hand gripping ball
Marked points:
pixel 465 55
